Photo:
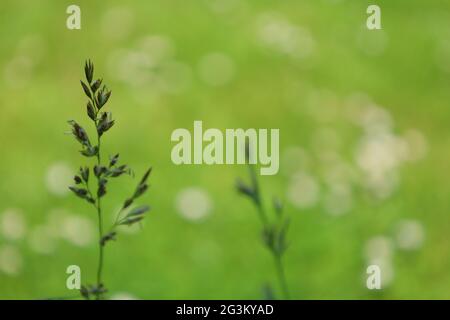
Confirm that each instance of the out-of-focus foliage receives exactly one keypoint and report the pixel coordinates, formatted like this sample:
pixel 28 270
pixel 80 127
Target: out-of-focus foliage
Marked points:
pixel 364 140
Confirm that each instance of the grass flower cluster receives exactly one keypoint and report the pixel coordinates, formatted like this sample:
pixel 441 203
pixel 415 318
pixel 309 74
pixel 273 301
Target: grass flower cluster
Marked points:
pixel 102 171
pixel 273 230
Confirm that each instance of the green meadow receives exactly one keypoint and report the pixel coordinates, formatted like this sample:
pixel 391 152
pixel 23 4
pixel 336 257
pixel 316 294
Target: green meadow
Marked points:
pixel 364 124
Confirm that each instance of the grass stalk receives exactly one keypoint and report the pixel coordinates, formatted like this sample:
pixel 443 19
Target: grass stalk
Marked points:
pixel 98 97
pixel 274 232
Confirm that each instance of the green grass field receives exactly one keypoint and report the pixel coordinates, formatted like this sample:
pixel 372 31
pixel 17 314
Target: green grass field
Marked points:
pixel 364 123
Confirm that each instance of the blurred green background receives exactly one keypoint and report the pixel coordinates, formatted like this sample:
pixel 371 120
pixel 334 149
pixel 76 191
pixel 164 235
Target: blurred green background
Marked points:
pixel 364 145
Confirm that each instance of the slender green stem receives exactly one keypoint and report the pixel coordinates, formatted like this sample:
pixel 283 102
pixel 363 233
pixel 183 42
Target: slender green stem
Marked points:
pixel 100 260
pixel 266 225
pixel 100 229
pixel 99 211
pixel 116 221
pixel 262 215
pixel 281 276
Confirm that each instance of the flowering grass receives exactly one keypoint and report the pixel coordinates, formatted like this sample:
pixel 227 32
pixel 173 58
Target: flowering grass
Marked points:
pixel 103 171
